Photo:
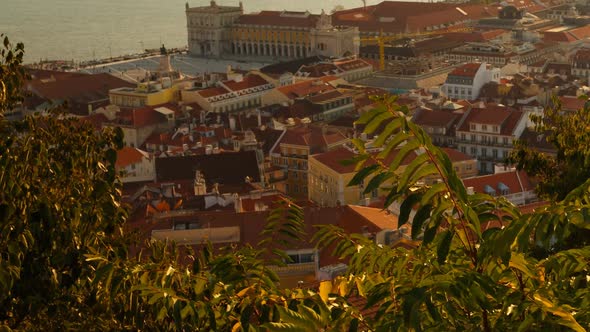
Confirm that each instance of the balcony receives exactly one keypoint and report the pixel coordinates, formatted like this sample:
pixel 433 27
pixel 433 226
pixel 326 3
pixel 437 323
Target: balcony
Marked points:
pixel 482 143
pixel 294 268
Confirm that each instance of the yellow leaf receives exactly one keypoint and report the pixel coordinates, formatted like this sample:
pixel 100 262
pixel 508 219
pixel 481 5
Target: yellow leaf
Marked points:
pixel 237 327
pixel 245 291
pixel 325 288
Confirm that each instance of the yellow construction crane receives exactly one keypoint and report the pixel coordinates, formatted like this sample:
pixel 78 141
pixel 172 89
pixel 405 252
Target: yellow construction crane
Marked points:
pixel 381 40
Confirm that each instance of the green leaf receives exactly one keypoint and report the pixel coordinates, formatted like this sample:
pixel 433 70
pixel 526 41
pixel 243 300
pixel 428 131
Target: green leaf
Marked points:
pixel 518 262
pixel 386 133
pixel 410 147
pixel 368 116
pixel 435 189
pixel 420 217
pixel 410 170
pixel 362 174
pixel 406 208
pixel 377 121
pixel 442 250
pixel 377 180
pixel 393 144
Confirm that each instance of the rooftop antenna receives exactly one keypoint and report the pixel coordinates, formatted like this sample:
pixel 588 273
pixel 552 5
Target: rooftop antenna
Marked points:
pixel 364 4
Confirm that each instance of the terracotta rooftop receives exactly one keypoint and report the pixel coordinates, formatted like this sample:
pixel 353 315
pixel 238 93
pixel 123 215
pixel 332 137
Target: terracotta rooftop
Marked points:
pixel 571 103
pixel 475 36
pixel 212 92
pixel 493 115
pixel 129 156
pixel 304 88
pixel 379 217
pixel 569 35
pixel 406 16
pixel 140 117
pixel 318 70
pixel 325 96
pixel 435 118
pixel 456 155
pixel 466 70
pixel 96 119
pixel 582 55
pixel 313 137
pixel 516 181
pixel 220 168
pixel 249 81
pixel 352 64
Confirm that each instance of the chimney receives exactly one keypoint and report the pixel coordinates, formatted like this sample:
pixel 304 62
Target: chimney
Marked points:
pixel 238 203
pixel 259 118
pixel 232 122
pixel 200 185
pixel 367 201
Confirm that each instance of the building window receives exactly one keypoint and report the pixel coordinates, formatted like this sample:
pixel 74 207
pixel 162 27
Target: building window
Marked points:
pixel 484 152
pixel 495 153
pixel 472 126
pixel 484 127
pixel 301 257
pixel 473 151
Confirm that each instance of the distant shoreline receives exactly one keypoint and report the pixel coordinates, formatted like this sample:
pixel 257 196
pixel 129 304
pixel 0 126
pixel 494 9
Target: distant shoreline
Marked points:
pixel 66 65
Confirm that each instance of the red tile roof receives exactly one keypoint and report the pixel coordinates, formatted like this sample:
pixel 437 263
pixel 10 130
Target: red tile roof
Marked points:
pixel 325 96
pixel 456 155
pixel 304 88
pixel 406 16
pixel 475 36
pixel 466 70
pixel 379 217
pixel 88 87
pixel 516 181
pixel 435 118
pixel 128 156
pixel 319 70
pixel 96 119
pixel 250 81
pixel 140 117
pixel 313 137
pixel 212 92
pixel 352 64
pixel 569 35
pixel 571 103
pixel 493 115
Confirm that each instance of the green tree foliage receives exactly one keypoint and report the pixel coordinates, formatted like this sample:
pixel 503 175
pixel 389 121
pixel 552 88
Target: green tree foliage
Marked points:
pixel 569 134
pixel 461 277
pixel 11 73
pixel 64 262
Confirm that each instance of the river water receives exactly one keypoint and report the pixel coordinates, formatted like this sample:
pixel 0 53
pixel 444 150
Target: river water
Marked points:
pixel 93 29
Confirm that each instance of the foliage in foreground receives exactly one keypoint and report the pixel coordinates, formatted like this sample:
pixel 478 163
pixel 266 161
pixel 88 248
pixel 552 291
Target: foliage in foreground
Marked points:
pixel 64 262
pixel 569 134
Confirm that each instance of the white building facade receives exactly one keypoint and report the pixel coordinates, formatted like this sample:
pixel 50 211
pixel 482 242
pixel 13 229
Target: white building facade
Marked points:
pixel 466 81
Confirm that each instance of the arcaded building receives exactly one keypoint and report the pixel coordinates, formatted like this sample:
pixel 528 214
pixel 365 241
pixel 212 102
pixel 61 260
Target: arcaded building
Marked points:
pixel 225 31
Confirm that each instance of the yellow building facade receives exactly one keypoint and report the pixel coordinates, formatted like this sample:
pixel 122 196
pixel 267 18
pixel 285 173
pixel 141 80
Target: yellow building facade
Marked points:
pixel 328 179
pixel 145 94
